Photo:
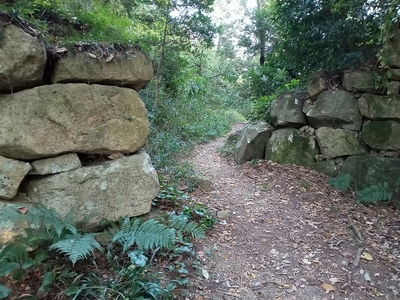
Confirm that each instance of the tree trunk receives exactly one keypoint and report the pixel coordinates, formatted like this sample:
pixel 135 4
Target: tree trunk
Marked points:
pixel 160 62
pixel 261 35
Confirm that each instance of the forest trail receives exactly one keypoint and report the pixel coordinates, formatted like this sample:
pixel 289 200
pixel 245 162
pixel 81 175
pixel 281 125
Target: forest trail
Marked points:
pixel 284 233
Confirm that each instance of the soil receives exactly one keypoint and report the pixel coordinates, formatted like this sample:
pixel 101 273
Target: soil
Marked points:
pixel 284 233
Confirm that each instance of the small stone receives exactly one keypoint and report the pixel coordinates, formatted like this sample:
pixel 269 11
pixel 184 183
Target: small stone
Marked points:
pixel 12 172
pixel 320 157
pixel 116 155
pixel 54 165
pixel 224 214
pixel 205 183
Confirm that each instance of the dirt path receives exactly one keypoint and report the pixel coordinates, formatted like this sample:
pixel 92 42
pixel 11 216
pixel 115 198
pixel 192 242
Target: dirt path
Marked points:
pixel 283 233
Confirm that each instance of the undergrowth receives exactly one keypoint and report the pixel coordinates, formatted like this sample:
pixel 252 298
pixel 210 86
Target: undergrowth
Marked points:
pixel 372 194
pixel 72 21
pixel 133 259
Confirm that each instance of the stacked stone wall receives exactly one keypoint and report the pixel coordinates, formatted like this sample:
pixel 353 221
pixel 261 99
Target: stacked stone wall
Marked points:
pixel 71 136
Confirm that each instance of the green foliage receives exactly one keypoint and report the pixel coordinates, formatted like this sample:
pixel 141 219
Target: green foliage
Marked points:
pixel 148 235
pixel 341 182
pixel 4 292
pixel 311 34
pixel 181 223
pixel 152 234
pixel 77 246
pixel 374 194
pixel 48 232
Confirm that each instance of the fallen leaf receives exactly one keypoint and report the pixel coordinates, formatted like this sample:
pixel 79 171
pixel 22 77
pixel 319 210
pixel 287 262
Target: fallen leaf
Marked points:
pixel 306 261
pixel 367 256
pixel 328 287
pixel 108 59
pixel 92 55
pixel 22 209
pixel 205 273
pixel 334 280
pixel 367 277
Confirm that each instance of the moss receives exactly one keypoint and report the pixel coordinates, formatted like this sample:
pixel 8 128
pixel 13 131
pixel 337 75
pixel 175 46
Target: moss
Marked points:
pixel 377 134
pixel 291 147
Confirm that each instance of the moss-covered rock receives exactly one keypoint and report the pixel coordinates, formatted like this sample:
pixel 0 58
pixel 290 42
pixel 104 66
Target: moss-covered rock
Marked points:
pixel 376 107
pixel 337 109
pixel 328 167
pixel 390 51
pixel 287 111
pixel 361 81
pixel 338 142
pixel 382 135
pixel 315 85
pixel 369 170
pixel 290 146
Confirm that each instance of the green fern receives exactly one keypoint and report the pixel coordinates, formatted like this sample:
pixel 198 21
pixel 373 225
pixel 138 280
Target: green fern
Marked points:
pixel 181 223
pixel 41 216
pixel 375 194
pixel 341 182
pixel 148 235
pixel 77 247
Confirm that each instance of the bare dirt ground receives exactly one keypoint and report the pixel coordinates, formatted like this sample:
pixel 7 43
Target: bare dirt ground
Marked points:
pixel 284 233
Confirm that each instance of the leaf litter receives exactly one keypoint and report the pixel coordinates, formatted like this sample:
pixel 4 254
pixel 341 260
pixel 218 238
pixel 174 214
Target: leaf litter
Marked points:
pixel 290 235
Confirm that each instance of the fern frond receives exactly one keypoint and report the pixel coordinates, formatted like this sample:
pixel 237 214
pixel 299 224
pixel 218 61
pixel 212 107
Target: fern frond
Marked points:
pixel 178 221
pixel 197 231
pixel 375 194
pixel 77 247
pixel 14 252
pixel 181 223
pixel 52 220
pixel 152 235
pixel 341 182
pixel 126 235
pixel 148 235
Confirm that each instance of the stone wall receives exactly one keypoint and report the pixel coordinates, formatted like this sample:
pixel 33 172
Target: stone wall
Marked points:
pixel 354 130
pixel 72 129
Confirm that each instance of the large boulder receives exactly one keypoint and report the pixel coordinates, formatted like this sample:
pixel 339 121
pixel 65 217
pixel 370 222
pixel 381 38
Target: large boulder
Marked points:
pixel 54 165
pixel 361 81
pixel 23 59
pixel 290 146
pixel 251 144
pixel 335 108
pixel 127 68
pixel 12 172
pixel 107 190
pixel 50 120
pixel 287 111
pixel 391 50
pixel 338 142
pixel 315 86
pixel 368 170
pixel 382 135
pixel 380 107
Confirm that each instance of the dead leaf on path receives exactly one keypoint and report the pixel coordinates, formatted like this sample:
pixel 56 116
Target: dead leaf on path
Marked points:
pixel 328 287
pixel 92 55
pixel 334 280
pixel 367 256
pixel 205 273
pixel 367 277
pixel 22 209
